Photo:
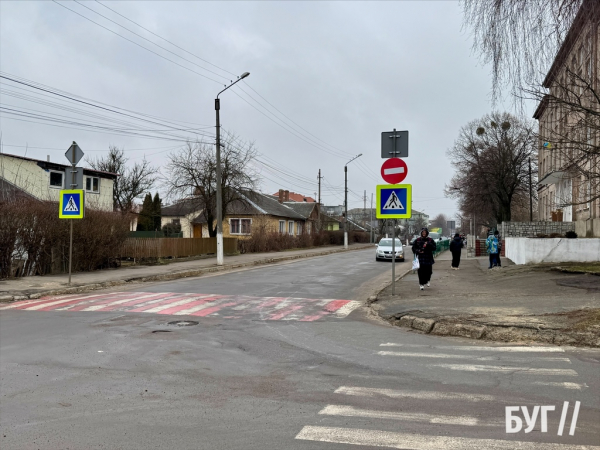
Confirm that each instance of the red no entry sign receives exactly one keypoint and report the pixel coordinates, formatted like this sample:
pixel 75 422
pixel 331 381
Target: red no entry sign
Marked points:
pixel 394 170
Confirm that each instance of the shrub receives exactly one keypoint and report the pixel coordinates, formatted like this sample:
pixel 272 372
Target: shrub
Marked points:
pixel 36 242
pixel 571 235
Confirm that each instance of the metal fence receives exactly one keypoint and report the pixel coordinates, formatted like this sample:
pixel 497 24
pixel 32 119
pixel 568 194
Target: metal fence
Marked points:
pixel 441 246
pixel 139 248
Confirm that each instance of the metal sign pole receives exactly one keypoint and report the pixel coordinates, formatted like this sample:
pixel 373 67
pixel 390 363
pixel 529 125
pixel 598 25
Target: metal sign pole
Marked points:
pixel 73 185
pixel 394 257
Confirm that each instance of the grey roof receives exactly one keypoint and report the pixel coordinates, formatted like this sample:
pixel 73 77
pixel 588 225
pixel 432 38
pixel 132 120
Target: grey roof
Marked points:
pixel 267 204
pixel 9 191
pixel 182 207
pixel 52 165
pixel 305 209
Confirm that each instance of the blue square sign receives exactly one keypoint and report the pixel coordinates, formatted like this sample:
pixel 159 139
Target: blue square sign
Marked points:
pixel 394 201
pixel 71 204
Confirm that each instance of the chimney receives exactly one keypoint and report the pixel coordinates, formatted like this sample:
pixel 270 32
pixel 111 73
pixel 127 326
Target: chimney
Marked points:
pixel 48 158
pixel 281 193
pixel 286 196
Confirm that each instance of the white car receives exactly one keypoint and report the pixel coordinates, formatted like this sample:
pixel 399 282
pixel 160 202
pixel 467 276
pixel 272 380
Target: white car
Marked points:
pixel 384 250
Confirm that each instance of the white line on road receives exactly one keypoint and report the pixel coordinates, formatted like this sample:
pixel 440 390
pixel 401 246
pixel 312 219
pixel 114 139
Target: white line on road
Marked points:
pixel 473 348
pixel 478 358
pixel 58 302
pixel 565 385
pixel 504 369
pixel 347 308
pixel 377 438
pixel 350 411
pixel 423 395
pixel 115 303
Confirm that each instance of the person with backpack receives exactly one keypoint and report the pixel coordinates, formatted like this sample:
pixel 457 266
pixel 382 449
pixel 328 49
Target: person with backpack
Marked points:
pixel 423 249
pixel 492 247
pixel 455 248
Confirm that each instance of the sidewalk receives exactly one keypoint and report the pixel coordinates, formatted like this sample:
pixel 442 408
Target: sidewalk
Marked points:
pixel 35 287
pixel 524 303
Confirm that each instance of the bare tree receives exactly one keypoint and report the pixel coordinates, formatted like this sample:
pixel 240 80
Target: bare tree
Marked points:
pixel 491 157
pixel 192 174
pixel 519 38
pixel 132 182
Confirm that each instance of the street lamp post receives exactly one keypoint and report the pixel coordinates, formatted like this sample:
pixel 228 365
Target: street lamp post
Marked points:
pixel 219 192
pixel 346 200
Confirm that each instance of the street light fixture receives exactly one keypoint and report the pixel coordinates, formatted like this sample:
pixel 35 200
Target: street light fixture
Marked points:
pixel 346 200
pixel 219 193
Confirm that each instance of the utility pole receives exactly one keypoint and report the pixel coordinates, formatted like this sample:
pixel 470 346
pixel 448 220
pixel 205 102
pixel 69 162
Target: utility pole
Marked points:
pixel 346 200
pixel 218 174
pixel 365 209
pixel 530 195
pixel 319 204
pixel 371 240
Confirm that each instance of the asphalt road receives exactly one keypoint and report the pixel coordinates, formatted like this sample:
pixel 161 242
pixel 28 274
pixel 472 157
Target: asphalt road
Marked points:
pixel 281 358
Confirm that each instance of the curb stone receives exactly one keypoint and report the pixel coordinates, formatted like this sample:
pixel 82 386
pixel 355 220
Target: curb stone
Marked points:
pixel 447 326
pixel 168 276
pixel 443 326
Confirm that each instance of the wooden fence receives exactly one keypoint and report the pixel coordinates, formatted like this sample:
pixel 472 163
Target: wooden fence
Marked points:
pixel 174 247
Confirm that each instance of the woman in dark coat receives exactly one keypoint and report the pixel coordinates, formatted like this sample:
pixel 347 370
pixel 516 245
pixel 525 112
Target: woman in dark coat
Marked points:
pixel 424 247
pixel 455 247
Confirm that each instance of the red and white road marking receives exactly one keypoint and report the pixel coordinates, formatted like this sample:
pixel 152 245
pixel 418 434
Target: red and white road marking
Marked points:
pixel 199 305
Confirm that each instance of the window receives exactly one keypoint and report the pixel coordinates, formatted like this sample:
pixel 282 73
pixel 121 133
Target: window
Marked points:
pixel 308 228
pixel 176 221
pixel 299 228
pixel 56 179
pixel 92 184
pixel 282 226
pixel 291 227
pixel 240 226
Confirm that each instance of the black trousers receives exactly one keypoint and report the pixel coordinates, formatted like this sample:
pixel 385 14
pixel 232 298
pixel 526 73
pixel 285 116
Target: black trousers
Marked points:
pixel 455 259
pixel 425 272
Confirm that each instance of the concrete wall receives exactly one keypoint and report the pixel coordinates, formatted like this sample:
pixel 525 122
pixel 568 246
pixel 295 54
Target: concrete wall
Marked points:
pixel 34 180
pixel 588 228
pixel 538 250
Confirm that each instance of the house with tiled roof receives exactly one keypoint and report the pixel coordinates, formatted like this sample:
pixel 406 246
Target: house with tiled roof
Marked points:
pixel 293 197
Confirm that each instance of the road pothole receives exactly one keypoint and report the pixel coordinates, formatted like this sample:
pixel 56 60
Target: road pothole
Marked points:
pixel 183 323
pixel 161 331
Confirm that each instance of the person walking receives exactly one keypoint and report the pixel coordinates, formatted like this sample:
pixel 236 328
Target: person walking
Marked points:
pixel 455 248
pixel 423 248
pixel 497 234
pixel 491 245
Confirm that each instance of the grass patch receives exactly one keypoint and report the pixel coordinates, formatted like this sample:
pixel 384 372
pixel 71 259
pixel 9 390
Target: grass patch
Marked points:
pixel 592 268
pixel 589 321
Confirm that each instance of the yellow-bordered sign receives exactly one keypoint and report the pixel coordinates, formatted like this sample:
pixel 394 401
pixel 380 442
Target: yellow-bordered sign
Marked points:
pixel 394 201
pixel 71 204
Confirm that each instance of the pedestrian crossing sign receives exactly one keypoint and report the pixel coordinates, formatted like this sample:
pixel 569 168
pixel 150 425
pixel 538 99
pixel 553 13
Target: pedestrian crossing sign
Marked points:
pixel 71 204
pixel 394 201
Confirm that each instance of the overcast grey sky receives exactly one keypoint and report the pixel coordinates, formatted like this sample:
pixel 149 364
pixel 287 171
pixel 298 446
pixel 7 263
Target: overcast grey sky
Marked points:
pixel 343 72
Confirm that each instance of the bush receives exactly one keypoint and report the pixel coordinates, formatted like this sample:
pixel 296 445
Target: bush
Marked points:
pixel 271 241
pixel 571 235
pixel 34 241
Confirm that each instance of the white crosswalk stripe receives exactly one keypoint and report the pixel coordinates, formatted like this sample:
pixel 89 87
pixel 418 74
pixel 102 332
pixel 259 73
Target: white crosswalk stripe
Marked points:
pixel 389 439
pixel 422 395
pixel 454 356
pixel 505 369
pixel 350 411
pixel 473 348
pixel 424 407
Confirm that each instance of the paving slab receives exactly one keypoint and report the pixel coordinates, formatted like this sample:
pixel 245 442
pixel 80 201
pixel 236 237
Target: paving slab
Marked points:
pixel 511 303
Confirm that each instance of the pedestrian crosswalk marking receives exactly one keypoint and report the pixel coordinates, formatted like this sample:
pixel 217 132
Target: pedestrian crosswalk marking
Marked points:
pixel 350 411
pixel 200 305
pixel 393 202
pixel 422 395
pixel 474 348
pixel 562 384
pixel 376 438
pixel 476 357
pixel 524 370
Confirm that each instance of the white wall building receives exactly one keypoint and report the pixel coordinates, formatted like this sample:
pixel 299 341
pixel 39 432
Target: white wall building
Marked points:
pixel 44 180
